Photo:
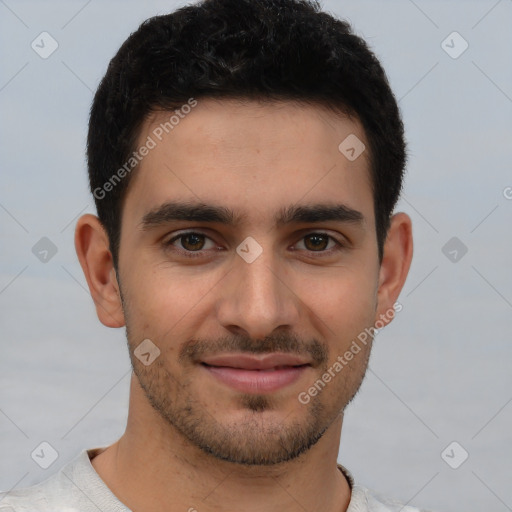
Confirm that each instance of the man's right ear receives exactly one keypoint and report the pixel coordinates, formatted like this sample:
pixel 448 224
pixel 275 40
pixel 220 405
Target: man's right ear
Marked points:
pixel 92 249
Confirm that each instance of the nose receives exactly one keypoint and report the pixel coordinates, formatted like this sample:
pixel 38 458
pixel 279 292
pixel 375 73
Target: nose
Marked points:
pixel 257 299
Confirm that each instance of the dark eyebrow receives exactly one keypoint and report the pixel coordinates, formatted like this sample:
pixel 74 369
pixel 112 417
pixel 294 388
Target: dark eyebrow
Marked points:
pixel 200 212
pixel 318 213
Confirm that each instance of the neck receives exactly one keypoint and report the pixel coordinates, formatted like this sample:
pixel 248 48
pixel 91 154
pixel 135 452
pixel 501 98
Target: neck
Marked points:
pixel 152 466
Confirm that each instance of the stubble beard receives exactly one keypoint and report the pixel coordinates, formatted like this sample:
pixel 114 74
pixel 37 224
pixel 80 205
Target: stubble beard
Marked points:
pixel 257 440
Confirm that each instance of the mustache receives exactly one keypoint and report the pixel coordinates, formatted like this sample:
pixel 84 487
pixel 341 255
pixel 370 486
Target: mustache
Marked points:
pixel 195 349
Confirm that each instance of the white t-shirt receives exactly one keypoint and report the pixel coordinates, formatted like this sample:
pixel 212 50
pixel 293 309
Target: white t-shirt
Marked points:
pixel 78 488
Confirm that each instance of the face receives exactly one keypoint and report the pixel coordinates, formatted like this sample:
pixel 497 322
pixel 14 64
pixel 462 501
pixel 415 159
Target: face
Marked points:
pixel 248 258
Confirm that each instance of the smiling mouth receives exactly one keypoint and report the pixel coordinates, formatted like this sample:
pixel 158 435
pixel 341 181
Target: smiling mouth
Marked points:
pixel 264 378
pixel 272 369
pixel 244 361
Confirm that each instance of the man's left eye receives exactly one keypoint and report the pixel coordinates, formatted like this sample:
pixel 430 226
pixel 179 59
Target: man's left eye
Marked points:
pixel 319 241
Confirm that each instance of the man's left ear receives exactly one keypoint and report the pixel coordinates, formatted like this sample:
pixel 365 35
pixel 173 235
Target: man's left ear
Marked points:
pixel 396 261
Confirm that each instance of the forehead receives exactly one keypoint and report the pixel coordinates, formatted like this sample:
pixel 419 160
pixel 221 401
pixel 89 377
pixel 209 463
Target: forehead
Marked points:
pixel 252 157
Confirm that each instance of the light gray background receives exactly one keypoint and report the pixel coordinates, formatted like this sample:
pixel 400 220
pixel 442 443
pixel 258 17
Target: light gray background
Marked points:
pixel 439 373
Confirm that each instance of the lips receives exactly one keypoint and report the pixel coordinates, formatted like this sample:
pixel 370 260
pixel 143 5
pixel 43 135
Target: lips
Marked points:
pixel 251 362
pixel 256 374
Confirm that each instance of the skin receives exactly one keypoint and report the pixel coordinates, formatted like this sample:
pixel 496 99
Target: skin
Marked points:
pixel 254 158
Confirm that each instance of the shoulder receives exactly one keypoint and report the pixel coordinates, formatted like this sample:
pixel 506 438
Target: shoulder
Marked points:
pixel 61 492
pixel 27 499
pixel 366 500
pixel 54 494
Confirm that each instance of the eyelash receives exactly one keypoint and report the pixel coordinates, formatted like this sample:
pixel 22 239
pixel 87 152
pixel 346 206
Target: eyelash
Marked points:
pixel 195 254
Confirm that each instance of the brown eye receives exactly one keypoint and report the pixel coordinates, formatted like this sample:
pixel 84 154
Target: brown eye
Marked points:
pixel 189 244
pixel 317 241
pixel 192 241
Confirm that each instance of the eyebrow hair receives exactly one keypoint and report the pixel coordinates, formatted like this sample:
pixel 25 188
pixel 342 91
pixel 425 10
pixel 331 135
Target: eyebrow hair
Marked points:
pixel 200 212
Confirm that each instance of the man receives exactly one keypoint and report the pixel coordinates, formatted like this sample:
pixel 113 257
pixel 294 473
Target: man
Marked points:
pixel 245 157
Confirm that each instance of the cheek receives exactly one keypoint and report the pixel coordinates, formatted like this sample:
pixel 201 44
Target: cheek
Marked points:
pixel 162 298
pixel 341 307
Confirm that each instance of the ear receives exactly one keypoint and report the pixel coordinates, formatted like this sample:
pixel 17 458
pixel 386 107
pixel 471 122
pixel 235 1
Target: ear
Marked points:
pixel 92 248
pixel 396 261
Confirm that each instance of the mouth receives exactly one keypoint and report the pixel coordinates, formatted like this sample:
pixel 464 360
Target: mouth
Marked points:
pixel 256 374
